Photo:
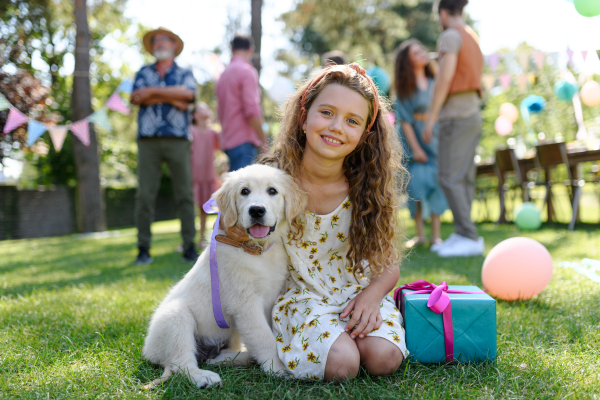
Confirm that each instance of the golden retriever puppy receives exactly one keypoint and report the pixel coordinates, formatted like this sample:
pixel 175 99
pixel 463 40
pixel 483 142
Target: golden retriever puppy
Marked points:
pixel 263 201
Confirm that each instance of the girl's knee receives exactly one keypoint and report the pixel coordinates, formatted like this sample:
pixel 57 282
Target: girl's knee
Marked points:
pixel 343 359
pixel 379 356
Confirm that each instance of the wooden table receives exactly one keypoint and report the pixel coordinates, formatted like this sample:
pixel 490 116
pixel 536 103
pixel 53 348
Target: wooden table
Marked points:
pixel 576 156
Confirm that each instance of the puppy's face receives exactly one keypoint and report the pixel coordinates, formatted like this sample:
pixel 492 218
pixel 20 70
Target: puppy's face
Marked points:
pixel 259 199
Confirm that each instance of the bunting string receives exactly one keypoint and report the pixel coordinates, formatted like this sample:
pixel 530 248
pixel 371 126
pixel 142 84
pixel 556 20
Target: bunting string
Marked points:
pixel 58 133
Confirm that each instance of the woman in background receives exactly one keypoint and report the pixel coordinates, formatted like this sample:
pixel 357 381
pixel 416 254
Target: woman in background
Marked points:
pixel 413 83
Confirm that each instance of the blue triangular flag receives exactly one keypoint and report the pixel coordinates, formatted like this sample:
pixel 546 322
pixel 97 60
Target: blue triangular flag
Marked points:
pixel 35 129
pixel 100 118
pixel 126 86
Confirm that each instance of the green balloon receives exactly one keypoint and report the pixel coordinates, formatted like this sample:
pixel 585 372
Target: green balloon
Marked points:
pixel 528 217
pixel 587 8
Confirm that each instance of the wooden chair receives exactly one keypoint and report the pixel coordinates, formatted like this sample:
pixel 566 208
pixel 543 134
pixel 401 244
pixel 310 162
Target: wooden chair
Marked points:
pixel 507 163
pixel 548 157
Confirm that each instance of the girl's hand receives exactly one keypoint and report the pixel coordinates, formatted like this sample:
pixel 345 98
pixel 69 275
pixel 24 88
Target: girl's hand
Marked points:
pixel 365 308
pixel 427 134
pixel 419 155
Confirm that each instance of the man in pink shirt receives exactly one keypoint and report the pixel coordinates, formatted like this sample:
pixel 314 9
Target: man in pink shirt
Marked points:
pixel 239 108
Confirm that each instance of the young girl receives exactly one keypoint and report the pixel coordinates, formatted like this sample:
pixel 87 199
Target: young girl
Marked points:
pixel 335 314
pixel 414 83
pixel 204 142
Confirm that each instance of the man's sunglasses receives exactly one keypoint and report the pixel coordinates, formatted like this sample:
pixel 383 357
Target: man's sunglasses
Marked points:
pixel 161 39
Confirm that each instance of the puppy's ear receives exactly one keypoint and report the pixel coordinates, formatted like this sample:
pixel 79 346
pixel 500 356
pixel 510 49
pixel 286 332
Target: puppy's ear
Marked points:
pixel 295 198
pixel 225 198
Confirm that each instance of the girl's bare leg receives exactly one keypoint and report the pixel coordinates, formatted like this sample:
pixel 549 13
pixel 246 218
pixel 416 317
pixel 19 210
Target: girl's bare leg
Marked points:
pixel 435 228
pixel 379 356
pixel 420 238
pixel 202 243
pixel 343 360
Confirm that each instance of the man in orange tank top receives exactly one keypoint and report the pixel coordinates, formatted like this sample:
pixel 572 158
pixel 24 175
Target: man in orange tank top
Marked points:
pixel 456 103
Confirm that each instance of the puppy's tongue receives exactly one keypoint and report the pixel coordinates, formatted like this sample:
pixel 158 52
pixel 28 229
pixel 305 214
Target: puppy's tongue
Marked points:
pixel 259 231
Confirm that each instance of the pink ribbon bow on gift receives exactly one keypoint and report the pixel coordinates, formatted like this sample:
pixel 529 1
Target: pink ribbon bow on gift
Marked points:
pixel 438 302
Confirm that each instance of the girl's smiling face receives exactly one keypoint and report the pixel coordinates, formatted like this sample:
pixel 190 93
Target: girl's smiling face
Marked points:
pixel 335 122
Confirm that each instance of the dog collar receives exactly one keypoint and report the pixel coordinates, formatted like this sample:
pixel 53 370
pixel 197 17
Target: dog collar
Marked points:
pixel 248 248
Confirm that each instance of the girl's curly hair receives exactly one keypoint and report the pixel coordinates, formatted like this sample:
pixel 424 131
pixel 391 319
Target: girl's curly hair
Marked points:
pixel 374 172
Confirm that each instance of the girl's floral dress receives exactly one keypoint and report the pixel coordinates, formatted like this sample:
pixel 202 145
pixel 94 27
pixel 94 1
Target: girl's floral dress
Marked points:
pixel 306 318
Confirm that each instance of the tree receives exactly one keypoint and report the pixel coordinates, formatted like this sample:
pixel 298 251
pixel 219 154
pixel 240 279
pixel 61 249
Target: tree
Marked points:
pixel 90 202
pixel 256 28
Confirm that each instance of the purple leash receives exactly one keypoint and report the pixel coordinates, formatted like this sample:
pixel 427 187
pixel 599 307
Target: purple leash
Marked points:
pixel 214 271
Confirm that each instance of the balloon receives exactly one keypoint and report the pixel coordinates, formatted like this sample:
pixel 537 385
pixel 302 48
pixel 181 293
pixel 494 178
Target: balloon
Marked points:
pixel 516 269
pixel 587 8
pixel 281 89
pixel 503 125
pixel 381 78
pixel 528 217
pixel 509 110
pixel 590 94
pixel 565 90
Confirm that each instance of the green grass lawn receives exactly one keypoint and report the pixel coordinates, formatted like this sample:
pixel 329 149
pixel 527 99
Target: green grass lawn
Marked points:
pixel 73 315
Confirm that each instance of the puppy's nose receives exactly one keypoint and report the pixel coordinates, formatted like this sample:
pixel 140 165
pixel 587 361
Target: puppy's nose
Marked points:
pixel 257 211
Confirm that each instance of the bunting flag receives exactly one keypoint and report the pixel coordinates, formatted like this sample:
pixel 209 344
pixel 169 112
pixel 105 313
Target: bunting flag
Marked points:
pixel 100 119
pixel 4 104
pixel 598 53
pixel 58 135
pixel 494 60
pixel 15 119
pixel 539 57
pixel 509 58
pixel 505 80
pixel 570 55
pixel 35 129
pixel 531 78
pixel 522 80
pixel 81 129
pixel 115 103
pixel 125 86
pixel 488 81
pixel 524 61
pixel 553 57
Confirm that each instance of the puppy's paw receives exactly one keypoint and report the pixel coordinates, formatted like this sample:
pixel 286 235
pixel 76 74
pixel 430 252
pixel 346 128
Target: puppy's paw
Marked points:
pixel 205 379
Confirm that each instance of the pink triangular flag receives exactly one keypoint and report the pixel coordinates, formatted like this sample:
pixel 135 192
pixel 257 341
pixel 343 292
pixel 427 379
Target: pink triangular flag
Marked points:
pixel 15 119
pixel 494 59
pixel 522 80
pixel 81 129
pixel 58 135
pixel 505 80
pixel 570 55
pixel 115 103
pixel 584 54
pixel 539 57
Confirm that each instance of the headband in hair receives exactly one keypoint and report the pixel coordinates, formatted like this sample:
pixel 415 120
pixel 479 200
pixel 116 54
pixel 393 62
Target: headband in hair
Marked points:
pixel 359 70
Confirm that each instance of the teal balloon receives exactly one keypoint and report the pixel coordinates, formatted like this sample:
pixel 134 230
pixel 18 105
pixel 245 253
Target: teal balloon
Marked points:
pixel 528 217
pixel 380 78
pixel 533 104
pixel 587 8
pixel 565 90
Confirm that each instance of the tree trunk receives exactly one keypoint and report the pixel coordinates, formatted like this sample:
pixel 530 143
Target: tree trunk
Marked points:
pixel 90 202
pixel 256 27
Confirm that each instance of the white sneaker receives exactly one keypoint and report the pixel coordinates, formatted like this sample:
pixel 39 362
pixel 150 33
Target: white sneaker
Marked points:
pixel 463 247
pixel 436 247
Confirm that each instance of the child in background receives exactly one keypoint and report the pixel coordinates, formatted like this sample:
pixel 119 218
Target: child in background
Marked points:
pixel 335 313
pixel 414 85
pixel 204 177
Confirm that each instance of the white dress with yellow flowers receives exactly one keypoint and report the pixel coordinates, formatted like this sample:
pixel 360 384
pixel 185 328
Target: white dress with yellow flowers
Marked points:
pixel 307 317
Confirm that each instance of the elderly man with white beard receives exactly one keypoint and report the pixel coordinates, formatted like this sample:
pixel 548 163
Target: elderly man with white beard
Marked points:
pixel 164 92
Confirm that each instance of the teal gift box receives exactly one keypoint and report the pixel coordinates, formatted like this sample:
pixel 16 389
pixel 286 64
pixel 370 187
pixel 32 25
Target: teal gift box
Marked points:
pixel 470 317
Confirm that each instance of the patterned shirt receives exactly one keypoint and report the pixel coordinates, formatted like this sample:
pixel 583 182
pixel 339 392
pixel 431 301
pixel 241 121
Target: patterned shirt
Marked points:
pixel 163 119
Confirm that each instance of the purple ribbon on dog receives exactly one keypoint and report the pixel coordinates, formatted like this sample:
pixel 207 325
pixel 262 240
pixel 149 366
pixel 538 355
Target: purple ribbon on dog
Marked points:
pixel 438 302
pixel 214 270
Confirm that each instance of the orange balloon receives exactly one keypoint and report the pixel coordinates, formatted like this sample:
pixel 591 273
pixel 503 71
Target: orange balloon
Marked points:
pixel 509 110
pixel 590 94
pixel 517 269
